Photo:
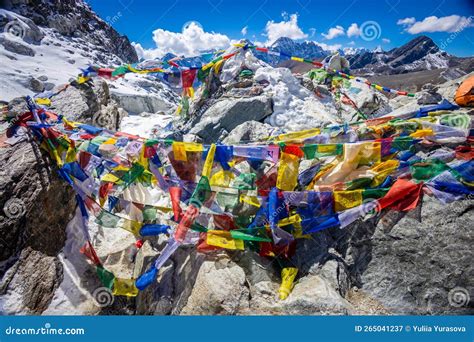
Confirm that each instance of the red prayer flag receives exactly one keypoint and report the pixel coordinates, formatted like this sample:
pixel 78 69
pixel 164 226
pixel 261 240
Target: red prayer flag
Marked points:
pixel 175 194
pixel 404 195
pixel 187 77
pixel 90 253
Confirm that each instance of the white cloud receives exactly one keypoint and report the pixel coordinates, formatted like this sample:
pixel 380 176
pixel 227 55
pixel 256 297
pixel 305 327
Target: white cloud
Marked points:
pixel 353 30
pixel 386 40
pixel 352 43
pixel 334 32
pixel 189 42
pixel 406 21
pixel 329 47
pixel 312 32
pixel 451 23
pixel 244 31
pixel 288 28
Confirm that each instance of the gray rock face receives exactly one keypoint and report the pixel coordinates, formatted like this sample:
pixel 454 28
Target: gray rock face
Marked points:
pixel 219 289
pixel 76 19
pixel 249 131
pixel 23 28
pixel 36 85
pixel 17 47
pixel 415 267
pixel 429 97
pixel 89 103
pixel 35 202
pixel 228 113
pixel 142 103
pixel 32 280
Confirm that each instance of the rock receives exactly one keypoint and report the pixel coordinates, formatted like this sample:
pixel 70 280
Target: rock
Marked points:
pixel 417 266
pixel 315 295
pixel 17 47
pixel 35 201
pixel 17 106
pixel 226 114
pixel 427 98
pixel 217 290
pixel 43 78
pixel 29 285
pixel 88 103
pixel 49 86
pixel 448 89
pixel 249 131
pixel 71 61
pixel 21 27
pixel 135 103
pixel 36 85
pixel 75 21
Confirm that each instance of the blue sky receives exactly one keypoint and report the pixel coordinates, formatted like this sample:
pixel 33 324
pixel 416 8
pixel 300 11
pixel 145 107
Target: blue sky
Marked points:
pixel 185 26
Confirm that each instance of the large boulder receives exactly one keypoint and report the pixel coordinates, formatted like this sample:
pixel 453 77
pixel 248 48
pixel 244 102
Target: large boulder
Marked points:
pixel 35 204
pixel 249 131
pixel 418 263
pixel 227 113
pixel 89 103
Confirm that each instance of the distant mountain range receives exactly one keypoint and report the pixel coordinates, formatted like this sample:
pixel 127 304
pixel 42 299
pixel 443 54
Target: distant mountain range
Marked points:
pixel 419 54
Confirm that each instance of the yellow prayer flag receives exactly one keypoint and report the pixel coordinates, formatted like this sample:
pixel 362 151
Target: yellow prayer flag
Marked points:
pixel 298 59
pixel 124 287
pixel 207 168
pixel 70 154
pixel 347 199
pixel 223 239
pixel 193 147
pixel 288 171
pixel 383 170
pixel 217 66
pixel 142 160
pixel 132 226
pixel 110 178
pixel 179 151
pixel 422 133
pixel 110 141
pixel 43 101
pixel 207 66
pixel 289 220
pixel 252 200
pixel 222 178
pixel 82 79
pixel 370 153
pixel 297 136
pixel 288 275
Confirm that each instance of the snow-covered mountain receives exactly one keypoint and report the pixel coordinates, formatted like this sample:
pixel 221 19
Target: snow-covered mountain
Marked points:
pixel 421 53
pixel 45 43
pixel 418 54
pixel 288 46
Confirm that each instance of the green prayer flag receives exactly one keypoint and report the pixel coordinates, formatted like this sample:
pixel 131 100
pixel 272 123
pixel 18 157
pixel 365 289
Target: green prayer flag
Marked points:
pixel 107 219
pixel 106 277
